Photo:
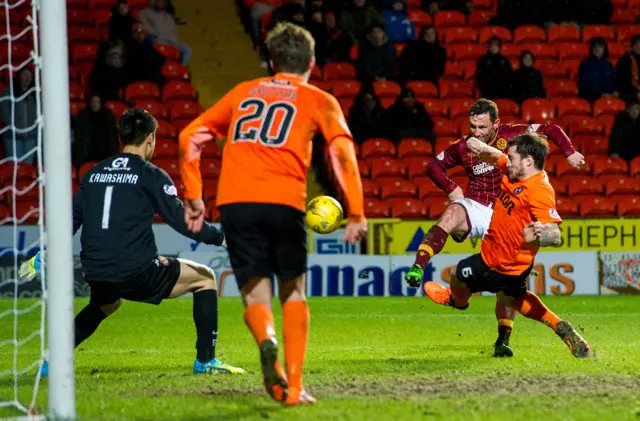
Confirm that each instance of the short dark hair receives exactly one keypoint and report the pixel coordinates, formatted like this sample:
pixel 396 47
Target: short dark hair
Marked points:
pixel 533 145
pixel 136 124
pixel 635 39
pixel 291 48
pixel 485 106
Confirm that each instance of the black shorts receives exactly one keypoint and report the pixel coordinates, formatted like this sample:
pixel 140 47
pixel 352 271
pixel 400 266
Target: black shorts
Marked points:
pixel 264 239
pixel 477 276
pixel 151 286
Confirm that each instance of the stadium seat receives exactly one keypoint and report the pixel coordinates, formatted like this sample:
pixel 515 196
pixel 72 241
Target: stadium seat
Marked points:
pixel 573 106
pixel 456 89
pixel 435 206
pixel 416 165
pixel 169 52
pixel 563 169
pixel 624 33
pixel 76 92
pixel 629 207
pixel 141 91
pixel 364 168
pixel 606 122
pixel 209 188
pixel 445 128
pixel 386 88
pixel 462 124
pixel 345 88
pixel 507 107
pixel 469 69
pixel 84 168
pixel 407 208
pixel 597 206
pixel 23 172
pixel 99 4
pixel 489 32
pixel 560 186
pixel 378 147
pixel 542 51
pixel 165 130
pixel 583 184
pixel 571 66
pixel 616 51
pixel 179 90
pixel 399 47
pixel 381 167
pixel 76 106
pixel 460 35
pixel 419 17
pixel 346 104
pixel 564 33
pixel 607 106
pixel 175 71
pixel 387 102
pixel 325 85
pixel 605 179
pixel 166 149
pixel 529 33
pixel 459 106
pixel 427 189
pixel 443 143
pixel 538 110
pixel 339 70
pixel 23 191
pixel 184 110
pixel 78 17
pixel 414 4
pixel 634 167
pixel 479 18
pixel 414 147
pixel 423 88
pixel 154 107
pixel 559 88
pixel 396 187
pixel 551 69
pixel 449 18
pixel 210 168
pixel 568 51
pixel 512 52
pixel 621 185
pixel 567 207
pixel 375 208
pixel 592 144
pixel 101 18
pixel 170 166
pixel 83 34
pixel 453 70
pixel 610 166
pixel 463 52
pixel 435 107
pixel 585 125
pixel 598 31
pixel 316 73
pixel 370 188
pixel 76 4
pixel 117 108
pixel 84 53
pixel 27 212
pixel 622 16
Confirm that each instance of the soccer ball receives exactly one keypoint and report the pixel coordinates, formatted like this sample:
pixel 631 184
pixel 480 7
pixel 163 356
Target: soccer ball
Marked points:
pixel 324 214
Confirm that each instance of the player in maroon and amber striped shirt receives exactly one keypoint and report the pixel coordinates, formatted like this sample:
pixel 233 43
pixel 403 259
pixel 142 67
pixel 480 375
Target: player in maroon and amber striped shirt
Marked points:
pixel 470 213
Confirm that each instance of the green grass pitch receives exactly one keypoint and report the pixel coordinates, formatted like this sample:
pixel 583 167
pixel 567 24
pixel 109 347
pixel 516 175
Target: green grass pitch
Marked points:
pixel 368 359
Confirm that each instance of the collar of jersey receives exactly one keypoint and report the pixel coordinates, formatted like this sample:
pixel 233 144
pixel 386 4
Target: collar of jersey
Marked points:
pixel 289 76
pixel 530 178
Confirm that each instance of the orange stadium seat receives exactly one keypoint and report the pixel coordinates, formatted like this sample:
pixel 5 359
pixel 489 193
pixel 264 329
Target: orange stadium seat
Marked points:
pixel 386 88
pixel 560 186
pixel 538 110
pixel 459 106
pixel 453 70
pixel 117 108
pixel 210 168
pixel 507 107
pixel 610 166
pixel 449 18
pixel 616 51
pixel 427 189
pixel 606 122
pixel 583 184
pixel 585 125
pixel 423 88
pixel 456 89
pixel 76 106
pixel 563 168
pixel 169 52
pixel 396 187
pixel 154 107
pixel 375 208
pixel 622 16
pixel 370 188
pixel 467 51
pixel 573 106
pixel 592 144
pixel 165 129
pixel 414 147
pixel 568 51
pixel 407 208
pixel 551 69
pixel 435 107
pixel 416 165
pixel 444 127
pixel 558 88
pixel 381 167
pixel 175 71
pixel 76 92
pixel 625 32
pixel 597 206
pixel 179 90
pixel 564 33
pixel 419 17
pixel 621 185
pixel 141 91
pixel 634 167
pixel 84 52
pixel 567 207
pixel 460 35
pixel 607 106
pixel 209 188
pixel 529 33
pixel 629 207
pixel 599 31
pixel 489 32
pixel 339 70
pixel 479 18
pixel 364 168
pixel 78 17
pixel 346 88
pixel 436 206
pixel 184 110
pixel 378 147
pixel 607 178
pixel 87 34
pixel 27 212
pixel 551 163
pixel 166 149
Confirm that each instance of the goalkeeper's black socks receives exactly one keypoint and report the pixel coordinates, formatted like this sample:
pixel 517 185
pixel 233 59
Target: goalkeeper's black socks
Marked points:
pixel 205 316
pixel 87 321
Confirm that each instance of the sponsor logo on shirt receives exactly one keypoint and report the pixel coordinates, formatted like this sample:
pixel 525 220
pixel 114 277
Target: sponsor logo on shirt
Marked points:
pixel 170 190
pixel 482 168
pixel 119 164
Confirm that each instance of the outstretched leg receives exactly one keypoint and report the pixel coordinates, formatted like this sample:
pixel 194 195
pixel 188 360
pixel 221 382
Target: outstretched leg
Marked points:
pixel 90 317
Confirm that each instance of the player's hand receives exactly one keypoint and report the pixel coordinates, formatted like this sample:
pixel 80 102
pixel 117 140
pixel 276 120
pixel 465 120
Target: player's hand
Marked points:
pixel 576 160
pixel 476 145
pixel 532 231
pixel 194 214
pixel 457 194
pixel 355 232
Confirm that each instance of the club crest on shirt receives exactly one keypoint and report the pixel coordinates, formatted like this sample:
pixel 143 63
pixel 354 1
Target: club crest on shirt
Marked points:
pixel 440 156
pixel 554 213
pixel 170 190
pixel 518 190
pixel 501 143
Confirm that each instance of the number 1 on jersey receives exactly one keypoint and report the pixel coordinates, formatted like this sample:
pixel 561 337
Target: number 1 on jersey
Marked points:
pixel 269 123
pixel 106 207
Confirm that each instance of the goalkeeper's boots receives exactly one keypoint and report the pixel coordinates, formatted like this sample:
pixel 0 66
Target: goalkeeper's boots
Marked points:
pixel 215 366
pixel 502 349
pixel 577 345
pixel 44 369
pixel 440 295
pixel 414 277
pixel 275 381
pixel 30 268
pixel 301 398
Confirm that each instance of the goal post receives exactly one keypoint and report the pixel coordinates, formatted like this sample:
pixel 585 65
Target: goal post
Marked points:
pixel 58 245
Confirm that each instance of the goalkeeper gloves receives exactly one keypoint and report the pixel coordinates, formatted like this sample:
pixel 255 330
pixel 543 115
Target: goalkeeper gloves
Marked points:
pixel 30 268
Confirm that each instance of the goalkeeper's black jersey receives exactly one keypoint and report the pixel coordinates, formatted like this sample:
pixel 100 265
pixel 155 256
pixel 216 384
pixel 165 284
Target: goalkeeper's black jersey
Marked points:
pixel 115 205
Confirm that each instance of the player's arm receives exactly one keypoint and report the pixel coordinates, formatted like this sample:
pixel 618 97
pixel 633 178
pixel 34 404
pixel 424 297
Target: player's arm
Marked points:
pixel 555 133
pixel 488 154
pixel 437 171
pixel 545 231
pixel 165 200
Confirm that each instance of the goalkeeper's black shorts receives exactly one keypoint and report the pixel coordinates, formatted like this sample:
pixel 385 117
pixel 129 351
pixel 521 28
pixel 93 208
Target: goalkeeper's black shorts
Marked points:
pixel 151 286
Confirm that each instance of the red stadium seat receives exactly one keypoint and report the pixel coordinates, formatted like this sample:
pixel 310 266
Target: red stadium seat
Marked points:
pixel 396 187
pixel 84 53
pixel 140 91
pixel 209 188
pixel 339 70
pixel 479 18
pixel 571 66
pixel 529 33
pixel 564 33
pixel 325 85
pixel 444 127
pixel 414 147
pixel 598 31
pixel 166 149
pixel 414 4
pixel 567 207
pixel 381 167
pixel 559 88
pixel 585 125
pixel 460 35
pixel 625 32
pixel 211 168
pixel 592 144
pixel 622 16
pixel 77 4
pixel 551 163
pixel 422 88
pixel 387 102
pixel 23 191
pixel 538 110
pixel 610 166
pixel 84 168
pixel 101 18
pixel 27 212
pixel 24 172
pixel 436 206
pixel 212 150
pixel 551 69
pixel 407 208
pixel 456 89
pixel 512 52
pixel 467 51
pixel 375 208
pixel 78 17
pixel 507 107
pixel 453 70
pixel 316 73
pixel 469 69
pixel 443 143
pixel 100 4
pixel 346 88
pixel 560 186
pixel 449 18
pixel 155 108
pixel 179 90
pixel 386 88
pixel 117 108
pixel 378 147
pixel 427 189
pixel 583 184
pixel 459 106
pixel 616 51
pixel 76 92
pixel 634 167
pixel 419 17
pixel 621 185
pixel 462 124
pixel 76 106
pixel 166 130
pixel 170 166
pixel 416 165
pixel 607 106
pixel 572 50
pixel 399 47
pixel 563 169
pixel 364 168
pixel 606 122
pixel 489 32
pixel 370 188
pixel 629 207
pixel 346 104
pixel 184 110
pixel 175 71
pixel 597 206
pixel 86 34
pixel 169 52
pixel 435 107
pixel 573 106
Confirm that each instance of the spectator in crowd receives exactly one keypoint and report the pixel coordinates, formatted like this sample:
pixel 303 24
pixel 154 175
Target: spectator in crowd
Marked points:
pixel 596 75
pixel 376 56
pixel 399 26
pixel 339 43
pixel 121 22
pixel 627 73
pixel 464 6
pixel 290 11
pixel 161 27
pixel 357 18
pixel 96 133
pixel 110 73
pixel 320 34
pixel 493 72
pixel 143 61
pixel 527 80
pixel 409 118
pixel 514 13
pixel 423 59
pixel 624 141
pixel 21 115
pixel 258 9
pixel 367 118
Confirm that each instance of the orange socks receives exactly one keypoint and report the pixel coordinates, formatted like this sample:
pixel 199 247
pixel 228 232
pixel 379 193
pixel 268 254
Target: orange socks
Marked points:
pixel 295 315
pixel 529 305
pixel 259 320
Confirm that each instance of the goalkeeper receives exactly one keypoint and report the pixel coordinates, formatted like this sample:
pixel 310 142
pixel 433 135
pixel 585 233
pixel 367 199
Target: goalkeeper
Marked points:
pixel 115 205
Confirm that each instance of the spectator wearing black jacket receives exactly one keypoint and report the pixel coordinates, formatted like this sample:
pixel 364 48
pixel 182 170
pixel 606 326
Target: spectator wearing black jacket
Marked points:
pixel 96 133
pixel 493 72
pixel 339 42
pixel 409 118
pixel 121 22
pixel 627 73
pixel 367 118
pixel 527 80
pixel 596 75
pixel 376 57
pixel 424 58
pixel 624 140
